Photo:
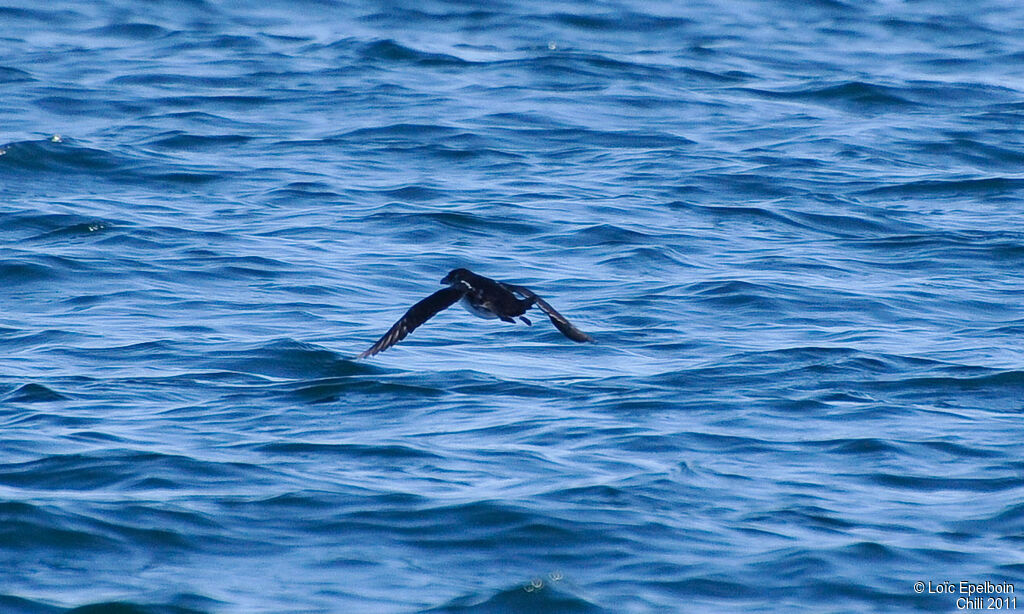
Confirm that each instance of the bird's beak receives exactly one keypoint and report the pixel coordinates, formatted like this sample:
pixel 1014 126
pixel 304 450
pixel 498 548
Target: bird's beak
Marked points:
pixel 447 279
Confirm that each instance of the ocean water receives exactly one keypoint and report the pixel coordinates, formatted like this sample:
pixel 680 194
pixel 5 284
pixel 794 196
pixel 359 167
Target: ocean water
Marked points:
pixel 795 230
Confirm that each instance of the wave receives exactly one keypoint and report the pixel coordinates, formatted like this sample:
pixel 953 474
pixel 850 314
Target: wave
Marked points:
pixel 33 393
pixel 59 156
pixel 131 30
pixel 14 75
pixel 619 21
pixel 854 94
pixel 390 51
pixel 543 595
pixel 941 187
pixel 392 453
pixel 133 607
pixel 284 358
pixel 933 484
pixel 117 470
pixel 184 141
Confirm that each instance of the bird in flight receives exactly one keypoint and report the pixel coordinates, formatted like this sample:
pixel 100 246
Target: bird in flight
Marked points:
pixel 481 296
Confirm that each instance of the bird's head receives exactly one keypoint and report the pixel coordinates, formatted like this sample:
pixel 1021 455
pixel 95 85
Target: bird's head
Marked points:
pixel 455 276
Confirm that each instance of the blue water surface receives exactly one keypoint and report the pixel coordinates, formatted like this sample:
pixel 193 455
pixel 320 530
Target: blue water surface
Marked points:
pixel 795 230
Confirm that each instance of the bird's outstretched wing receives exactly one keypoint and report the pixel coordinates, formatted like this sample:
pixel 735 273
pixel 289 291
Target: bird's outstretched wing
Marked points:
pixel 563 325
pixel 417 314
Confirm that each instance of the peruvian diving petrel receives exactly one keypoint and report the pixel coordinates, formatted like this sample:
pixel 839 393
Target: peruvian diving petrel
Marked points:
pixel 481 296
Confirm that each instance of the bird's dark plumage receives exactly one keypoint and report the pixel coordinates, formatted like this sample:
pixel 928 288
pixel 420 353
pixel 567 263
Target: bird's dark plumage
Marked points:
pixel 482 296
pixel 563 325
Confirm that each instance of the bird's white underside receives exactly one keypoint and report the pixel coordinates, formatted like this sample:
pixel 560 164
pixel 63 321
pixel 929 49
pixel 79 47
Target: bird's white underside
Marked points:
pixel 480 313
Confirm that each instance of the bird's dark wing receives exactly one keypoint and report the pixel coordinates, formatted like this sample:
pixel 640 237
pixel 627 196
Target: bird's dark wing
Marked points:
pixel 417 314
pixel 563 325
